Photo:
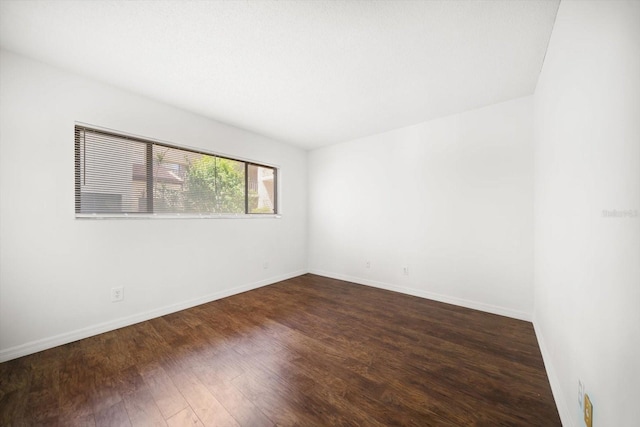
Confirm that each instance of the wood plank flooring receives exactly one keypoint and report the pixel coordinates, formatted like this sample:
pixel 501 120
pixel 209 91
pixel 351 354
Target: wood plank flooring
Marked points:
pixel 309 351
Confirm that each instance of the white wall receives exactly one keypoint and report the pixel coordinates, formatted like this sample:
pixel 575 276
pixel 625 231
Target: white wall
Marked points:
pixel 587 159
pixel 56 272
pixel 452 199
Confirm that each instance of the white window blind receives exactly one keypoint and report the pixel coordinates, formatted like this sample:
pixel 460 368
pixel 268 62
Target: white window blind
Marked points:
pixel 120 175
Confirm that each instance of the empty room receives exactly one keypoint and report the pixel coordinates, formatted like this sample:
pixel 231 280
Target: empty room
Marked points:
pixel 367 213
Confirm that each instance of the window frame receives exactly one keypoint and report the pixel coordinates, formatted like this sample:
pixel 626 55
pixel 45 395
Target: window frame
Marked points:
pixel 149 145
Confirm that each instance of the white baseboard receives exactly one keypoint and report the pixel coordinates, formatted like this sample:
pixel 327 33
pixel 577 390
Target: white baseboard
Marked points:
pixel 556 389
pixel 67 337
pixel 502 311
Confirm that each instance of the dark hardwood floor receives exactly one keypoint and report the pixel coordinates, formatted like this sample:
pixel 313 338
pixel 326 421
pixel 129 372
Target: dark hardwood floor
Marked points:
pixel 307 351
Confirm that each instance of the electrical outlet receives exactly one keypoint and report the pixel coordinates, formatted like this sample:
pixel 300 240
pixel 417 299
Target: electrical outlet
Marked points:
pixel 367 264
pixel 588 411
pixel 117 294
pixel 580 394
pixel 405 271
pixel 265 265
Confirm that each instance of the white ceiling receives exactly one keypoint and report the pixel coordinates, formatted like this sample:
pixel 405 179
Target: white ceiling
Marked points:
pixel 310 73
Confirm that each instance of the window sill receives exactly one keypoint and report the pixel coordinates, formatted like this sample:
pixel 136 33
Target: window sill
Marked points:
pixel 176 216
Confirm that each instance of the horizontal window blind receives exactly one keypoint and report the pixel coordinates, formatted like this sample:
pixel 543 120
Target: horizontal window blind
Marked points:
pixel 123 175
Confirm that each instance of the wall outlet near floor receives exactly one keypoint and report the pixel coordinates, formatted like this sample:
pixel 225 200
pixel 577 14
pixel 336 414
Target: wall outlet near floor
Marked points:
pixel 367 264
pixel 265 265
pixel 117 294
pixel 405 271
pixel 588 411
pixel 580 394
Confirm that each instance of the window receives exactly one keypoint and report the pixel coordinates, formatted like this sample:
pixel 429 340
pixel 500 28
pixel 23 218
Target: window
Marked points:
pixel 120 175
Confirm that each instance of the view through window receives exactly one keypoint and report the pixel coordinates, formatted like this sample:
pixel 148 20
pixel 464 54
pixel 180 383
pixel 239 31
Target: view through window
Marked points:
pixel 118 174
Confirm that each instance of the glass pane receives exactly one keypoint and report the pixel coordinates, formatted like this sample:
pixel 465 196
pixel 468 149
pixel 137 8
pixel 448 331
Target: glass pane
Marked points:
pixel 261 189
pixel 213 185
pixel 230 186
pixel 169 178
pixel 109 168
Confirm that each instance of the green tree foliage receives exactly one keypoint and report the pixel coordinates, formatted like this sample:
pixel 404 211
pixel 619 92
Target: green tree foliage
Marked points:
pixel 165 198
pixel 214 185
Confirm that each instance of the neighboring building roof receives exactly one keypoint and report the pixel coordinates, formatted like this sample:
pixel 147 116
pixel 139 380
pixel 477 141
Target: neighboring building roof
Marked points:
pixel 161 174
